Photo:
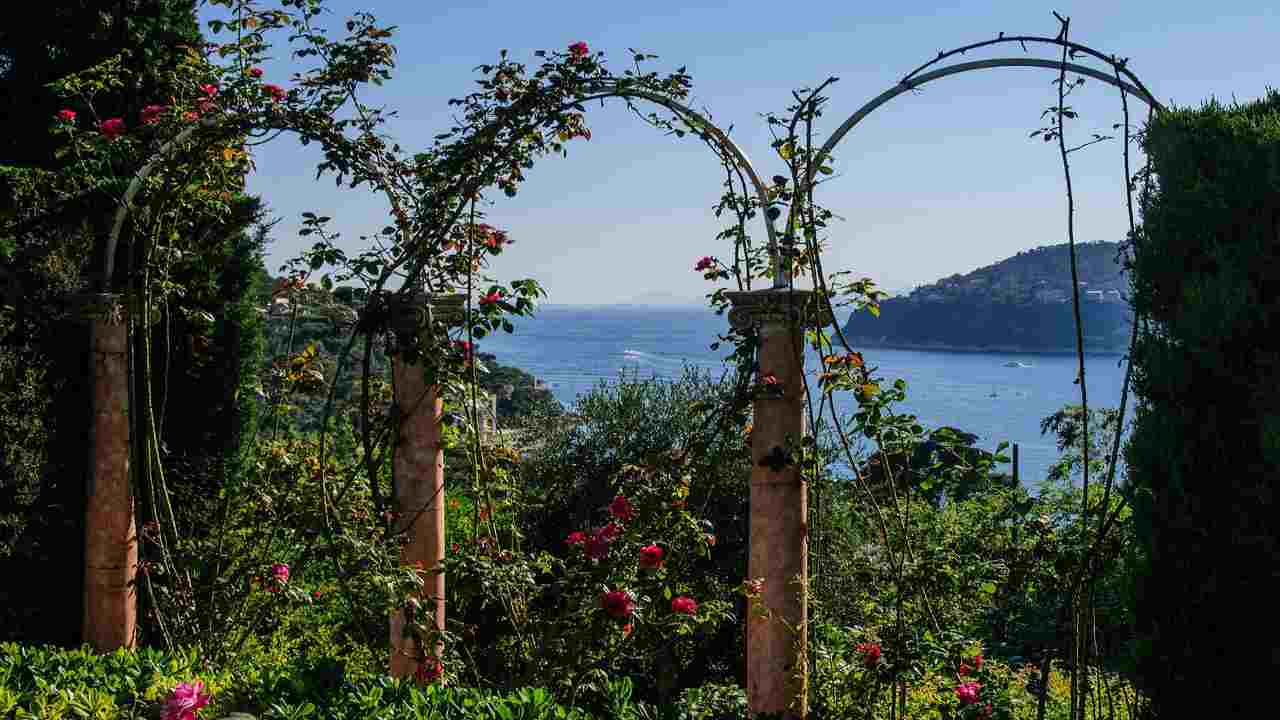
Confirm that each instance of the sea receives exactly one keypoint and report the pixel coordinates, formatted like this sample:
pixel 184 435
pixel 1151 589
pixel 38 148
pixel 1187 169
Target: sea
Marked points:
pixel 996 396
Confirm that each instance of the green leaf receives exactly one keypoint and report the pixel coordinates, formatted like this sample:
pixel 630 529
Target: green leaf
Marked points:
pixel 825 169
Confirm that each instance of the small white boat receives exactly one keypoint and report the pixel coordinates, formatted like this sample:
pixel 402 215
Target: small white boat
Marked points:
pixel 1015 363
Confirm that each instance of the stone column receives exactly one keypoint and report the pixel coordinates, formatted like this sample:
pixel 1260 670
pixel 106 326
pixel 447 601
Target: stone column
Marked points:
pixel 110 540
pixel 419 469
pixel 777 670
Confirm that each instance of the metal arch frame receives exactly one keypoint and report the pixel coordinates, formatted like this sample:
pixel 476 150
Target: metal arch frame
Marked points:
pixel 956 69
pixel 723 141
pixel 126 202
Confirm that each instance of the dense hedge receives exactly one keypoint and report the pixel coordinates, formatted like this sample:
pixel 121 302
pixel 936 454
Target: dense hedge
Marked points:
pixel 1205 448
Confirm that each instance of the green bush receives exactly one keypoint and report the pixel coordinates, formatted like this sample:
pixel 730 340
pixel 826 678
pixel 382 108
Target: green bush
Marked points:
pixel 1205 448
pixel 41 682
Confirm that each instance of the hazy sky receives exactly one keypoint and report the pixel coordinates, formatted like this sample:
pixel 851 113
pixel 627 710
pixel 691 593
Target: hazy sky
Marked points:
pixel 942 181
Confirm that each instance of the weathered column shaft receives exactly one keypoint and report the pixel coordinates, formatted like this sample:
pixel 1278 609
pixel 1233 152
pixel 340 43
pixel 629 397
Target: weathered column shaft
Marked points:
pixel 111 549
pixel 419 471
pixel 419 468
pixel 777 621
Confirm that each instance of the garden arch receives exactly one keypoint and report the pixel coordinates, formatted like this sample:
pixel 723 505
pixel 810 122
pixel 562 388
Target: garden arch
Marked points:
pixel 778 508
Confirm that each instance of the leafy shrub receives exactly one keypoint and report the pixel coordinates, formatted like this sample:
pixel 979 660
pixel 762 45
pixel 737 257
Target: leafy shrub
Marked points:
pixel 42 682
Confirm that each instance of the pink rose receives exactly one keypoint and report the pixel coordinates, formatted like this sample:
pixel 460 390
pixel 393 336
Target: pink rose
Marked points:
pixel 280 572
pixel 210 91
pixel 67 116
pixel 112 128
pixel 185 701
pixel 152 113
pixel 491 298
pixel 618 603
pixel 578 51
pixel 255 72
pixel 651 557
pixel 276 92
pixel 968 693
pixel 684 605
pixel 704 263
pixel 577 537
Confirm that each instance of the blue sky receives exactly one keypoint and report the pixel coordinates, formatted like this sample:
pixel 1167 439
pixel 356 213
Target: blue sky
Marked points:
pixel 935 183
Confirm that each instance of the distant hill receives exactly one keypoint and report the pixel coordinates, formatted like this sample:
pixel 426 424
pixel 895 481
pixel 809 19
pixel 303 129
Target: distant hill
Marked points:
pixel 1020 304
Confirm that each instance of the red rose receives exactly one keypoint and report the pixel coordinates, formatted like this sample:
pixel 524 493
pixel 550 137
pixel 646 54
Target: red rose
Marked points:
pixel 67 115
pixel 704 263
pixel 491 298
pixel 429 671
pixel 684 605
pixel 255 72
pixel 112 128
pixel 578 51
pixel 870 653
pixel 622 509
pixel 276 92
pixel 152 113
pixel 651 557
pixel 577 537
pixel 618 603
pixel 209 90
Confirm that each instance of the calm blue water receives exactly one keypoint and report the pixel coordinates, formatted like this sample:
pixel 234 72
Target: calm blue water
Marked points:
pixel 573 348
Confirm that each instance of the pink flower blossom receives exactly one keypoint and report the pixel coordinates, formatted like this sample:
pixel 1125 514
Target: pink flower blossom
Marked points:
pixel 210 91
pixel 276 92
pixel 67 116
pixel 577 537
pixel 280 572
pixel 255 72
pixel 968 693
pixel 622 509
pixel 618 603
pixel 185 701
pixel 491 298
pixel 684 605
pixel 705 263
pixel 112 128
pixel 578 51
pixel 651 557
pixel 151 113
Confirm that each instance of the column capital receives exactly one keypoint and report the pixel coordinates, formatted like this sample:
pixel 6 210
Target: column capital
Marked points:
pixel 755 308
pixel 409 312
pixel 106 307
